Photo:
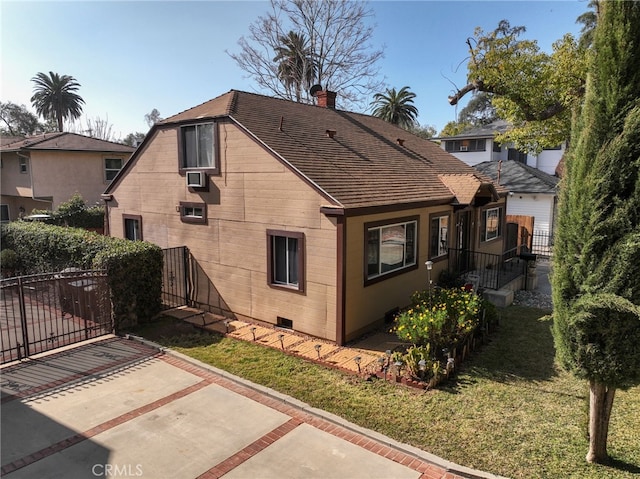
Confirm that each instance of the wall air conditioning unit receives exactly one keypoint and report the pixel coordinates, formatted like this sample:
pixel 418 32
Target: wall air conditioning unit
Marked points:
pixel 196 179
pixel 464 148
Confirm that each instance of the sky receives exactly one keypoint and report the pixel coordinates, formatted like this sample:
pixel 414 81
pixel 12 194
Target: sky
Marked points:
pixel 131 57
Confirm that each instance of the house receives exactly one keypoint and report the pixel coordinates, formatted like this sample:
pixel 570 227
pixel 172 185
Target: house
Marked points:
pixel 532 192
pixel 302 216
pixel 477 145
pixel 42 171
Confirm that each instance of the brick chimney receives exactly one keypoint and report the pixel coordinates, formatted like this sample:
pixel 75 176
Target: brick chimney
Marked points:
pixel 326 99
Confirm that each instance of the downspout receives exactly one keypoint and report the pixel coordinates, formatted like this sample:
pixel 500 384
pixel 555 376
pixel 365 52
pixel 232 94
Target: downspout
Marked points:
pixel 341 283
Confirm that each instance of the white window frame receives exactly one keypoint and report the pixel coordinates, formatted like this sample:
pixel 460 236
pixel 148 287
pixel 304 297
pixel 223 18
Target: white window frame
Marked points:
pixel 443 236
pixel 111 171
pixel 23 165
pixel 495 233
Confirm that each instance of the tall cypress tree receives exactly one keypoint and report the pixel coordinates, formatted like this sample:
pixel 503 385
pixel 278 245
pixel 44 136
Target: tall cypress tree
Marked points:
pixel 596 267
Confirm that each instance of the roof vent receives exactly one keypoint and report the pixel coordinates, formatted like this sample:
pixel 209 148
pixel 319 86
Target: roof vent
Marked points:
pixel 330 133
pixel 315 89
pixel 400 141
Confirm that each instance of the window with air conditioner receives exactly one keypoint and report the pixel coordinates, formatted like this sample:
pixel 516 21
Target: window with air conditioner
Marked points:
pixel 196 179
pixel 198 147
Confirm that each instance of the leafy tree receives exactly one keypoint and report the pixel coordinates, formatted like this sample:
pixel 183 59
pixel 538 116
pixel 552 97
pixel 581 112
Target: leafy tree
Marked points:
pixel 338 41
pixel 479 111
pixel 423 131
pixel 152 117
pixel 396 107
pixel 454 128
pixel 133 139
pixel 16 120
pixel 596 291
pixel 589 20
pixel 55 97
pixel 534 91
pixel 296 68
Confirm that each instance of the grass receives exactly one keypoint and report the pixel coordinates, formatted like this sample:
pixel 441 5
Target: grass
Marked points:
pixel 510 410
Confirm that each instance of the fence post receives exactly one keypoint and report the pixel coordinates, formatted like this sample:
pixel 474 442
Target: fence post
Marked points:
pixel 23 319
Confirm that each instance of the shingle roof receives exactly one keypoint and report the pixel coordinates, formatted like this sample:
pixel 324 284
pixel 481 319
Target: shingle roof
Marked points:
pixel 466 186
pixel 67 142
pixel 362 165
pixel 518 177
pixel 486 131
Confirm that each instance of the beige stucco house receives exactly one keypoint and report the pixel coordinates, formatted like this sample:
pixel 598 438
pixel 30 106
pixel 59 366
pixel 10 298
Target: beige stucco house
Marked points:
pixel 42 171
pixel 302 216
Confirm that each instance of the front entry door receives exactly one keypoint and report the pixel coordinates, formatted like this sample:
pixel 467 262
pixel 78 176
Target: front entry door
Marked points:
pixel 463 240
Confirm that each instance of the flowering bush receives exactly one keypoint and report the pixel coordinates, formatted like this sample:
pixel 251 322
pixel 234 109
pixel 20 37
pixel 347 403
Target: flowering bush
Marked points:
pixel 439 318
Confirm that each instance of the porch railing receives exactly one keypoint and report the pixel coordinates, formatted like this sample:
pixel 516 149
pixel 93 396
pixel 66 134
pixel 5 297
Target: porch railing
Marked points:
pixel 488 271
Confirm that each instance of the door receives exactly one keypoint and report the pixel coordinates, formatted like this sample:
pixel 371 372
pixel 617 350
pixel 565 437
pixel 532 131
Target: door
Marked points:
pixel 463 241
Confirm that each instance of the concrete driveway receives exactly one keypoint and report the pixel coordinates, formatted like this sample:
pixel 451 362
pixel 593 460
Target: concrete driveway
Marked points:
pixel 119 407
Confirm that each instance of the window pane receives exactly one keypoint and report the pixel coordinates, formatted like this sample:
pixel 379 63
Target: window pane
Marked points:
pixel 4 213
pixel 280 259
pixel 443 236
pixel 491 225
pixel 292 248
pixel 410 244
pixel 113 163
pixel 392 248
pixel 205 145
pixel 190 147
pixel 132 229
pixel 373 252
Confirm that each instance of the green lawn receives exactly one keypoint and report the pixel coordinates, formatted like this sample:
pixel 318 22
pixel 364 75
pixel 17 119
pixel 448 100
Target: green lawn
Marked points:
pixel 509 411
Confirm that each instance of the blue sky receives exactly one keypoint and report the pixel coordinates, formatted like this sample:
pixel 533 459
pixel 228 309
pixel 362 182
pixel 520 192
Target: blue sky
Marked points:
pixel 132 57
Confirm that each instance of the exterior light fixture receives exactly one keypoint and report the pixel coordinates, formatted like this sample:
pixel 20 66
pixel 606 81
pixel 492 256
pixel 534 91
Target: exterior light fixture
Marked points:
pixel 357 360
pixel 227 322
pixel 317 348
pixel 281 338
pixel 253 332
pixel 381 362
pixel 429 265
pixel 422 366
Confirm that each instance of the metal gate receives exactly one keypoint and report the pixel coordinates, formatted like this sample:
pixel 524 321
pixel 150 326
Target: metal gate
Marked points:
pixel 175 274
pixel 42 312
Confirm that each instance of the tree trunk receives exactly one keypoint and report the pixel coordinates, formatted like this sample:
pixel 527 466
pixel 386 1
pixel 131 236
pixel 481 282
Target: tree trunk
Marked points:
pixel 600 404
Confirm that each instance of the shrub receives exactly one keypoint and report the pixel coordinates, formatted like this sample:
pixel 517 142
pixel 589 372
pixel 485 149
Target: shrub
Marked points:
pixel 439 318
pixel 8 259
pixel 134 268
pixel 75 213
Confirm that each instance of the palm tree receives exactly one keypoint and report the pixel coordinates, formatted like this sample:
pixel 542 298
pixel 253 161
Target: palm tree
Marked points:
pixel 54 97
pixel 396 107
pixel 296 68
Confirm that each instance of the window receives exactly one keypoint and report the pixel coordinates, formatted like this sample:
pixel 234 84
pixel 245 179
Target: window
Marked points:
pixel 471 144
pixel 4 213
pixel 193 212
pixel 491 223
pixel 198 146
pixel 132 227
pixel 111 168
pixel 515 155
pixel 557 147
pixel 23 164
pixel 439 236
pixel 391 247
pixel 497 147
pixel 285 265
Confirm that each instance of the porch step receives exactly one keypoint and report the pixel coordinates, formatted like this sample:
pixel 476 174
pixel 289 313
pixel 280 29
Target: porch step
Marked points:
pixel 500 298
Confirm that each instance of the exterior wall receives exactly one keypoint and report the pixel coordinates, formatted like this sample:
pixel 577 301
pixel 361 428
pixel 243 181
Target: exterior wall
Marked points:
pixel 366 305
pixel 540 206
pixel 61 174
pixel 53 177
pixel 496 245
pixel 254 193
pixel 547 161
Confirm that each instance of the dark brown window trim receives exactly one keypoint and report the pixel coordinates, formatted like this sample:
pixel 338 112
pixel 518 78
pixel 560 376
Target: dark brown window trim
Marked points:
pixel 301 289
pixel 211 171
pixel 431 217
pixel 137 218
pixel 193 219
pixel 391 274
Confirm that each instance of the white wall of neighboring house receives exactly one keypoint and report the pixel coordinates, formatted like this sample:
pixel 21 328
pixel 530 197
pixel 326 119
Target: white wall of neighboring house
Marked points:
pixel 540 206
pixel 547 160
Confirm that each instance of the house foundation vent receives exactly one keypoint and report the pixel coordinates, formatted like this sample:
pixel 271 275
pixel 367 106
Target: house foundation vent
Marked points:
pixel 285 323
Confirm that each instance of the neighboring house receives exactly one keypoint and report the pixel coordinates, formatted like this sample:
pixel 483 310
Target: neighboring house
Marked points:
pixel 532 192
pixel 477 145
pixel 302 216
pixel 42 171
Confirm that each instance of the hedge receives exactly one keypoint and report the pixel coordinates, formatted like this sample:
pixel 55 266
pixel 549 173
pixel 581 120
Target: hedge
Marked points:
pixel 134 268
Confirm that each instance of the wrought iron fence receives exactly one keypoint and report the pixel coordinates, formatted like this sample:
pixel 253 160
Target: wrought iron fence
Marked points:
pixel 42 312
pixel 175 277
pixel 485 270
pixel 542 243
